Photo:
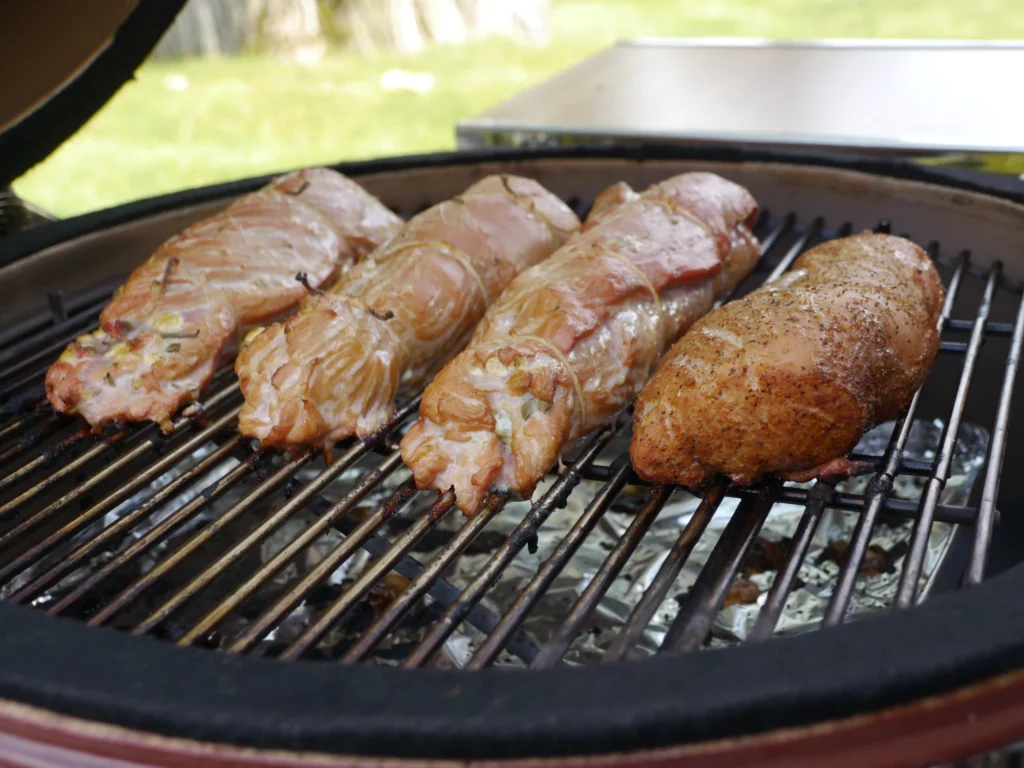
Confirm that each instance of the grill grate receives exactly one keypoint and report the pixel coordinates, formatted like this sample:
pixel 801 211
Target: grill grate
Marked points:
pixel 159 534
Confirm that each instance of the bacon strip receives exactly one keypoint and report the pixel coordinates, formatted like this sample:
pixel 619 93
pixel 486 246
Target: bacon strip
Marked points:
pixel 180 314
pixel 572 340
pixel 336 368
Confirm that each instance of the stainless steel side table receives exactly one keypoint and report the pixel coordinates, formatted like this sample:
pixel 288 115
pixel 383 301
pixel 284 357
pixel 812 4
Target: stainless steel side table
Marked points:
pixel 954 103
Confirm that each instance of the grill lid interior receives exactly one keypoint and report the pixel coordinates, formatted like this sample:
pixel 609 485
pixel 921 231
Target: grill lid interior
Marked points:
pixel 65 59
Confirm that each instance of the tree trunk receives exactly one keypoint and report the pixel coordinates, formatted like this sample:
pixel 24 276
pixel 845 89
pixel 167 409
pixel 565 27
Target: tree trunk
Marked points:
pixel 289 28
pixel 527 21
pixel 292 29
pixel 404 24
pixel 444 21
pixel 361 19
pixel 209 28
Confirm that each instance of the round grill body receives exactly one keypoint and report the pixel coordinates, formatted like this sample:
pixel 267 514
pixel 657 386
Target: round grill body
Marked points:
pixel 145 624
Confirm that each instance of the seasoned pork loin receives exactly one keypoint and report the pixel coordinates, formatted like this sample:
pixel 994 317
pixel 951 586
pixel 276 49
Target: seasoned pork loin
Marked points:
pixel 573 340
pixel 335 369
pixel 786 380
pixel 180 314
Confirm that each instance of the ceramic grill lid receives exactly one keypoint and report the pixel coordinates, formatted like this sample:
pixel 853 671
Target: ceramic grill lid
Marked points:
pixel 61 65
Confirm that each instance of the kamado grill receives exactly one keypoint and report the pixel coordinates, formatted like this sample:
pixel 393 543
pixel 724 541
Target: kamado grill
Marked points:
pixel 190 600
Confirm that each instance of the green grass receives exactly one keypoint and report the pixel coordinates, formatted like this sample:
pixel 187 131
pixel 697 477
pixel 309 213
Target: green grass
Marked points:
pixel 249 115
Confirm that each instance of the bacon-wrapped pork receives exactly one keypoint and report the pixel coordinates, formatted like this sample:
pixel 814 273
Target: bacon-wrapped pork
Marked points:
pixel 180 314
pixel 573 340
pixel 335 369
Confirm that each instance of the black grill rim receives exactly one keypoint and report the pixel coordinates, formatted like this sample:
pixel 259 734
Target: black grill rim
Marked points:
pixel 37 238
pixel 102 674
pixel 98 674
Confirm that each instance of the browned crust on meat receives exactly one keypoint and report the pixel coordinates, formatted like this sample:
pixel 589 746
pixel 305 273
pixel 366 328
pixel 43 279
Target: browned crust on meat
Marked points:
pixel 786 380
pixel 810 418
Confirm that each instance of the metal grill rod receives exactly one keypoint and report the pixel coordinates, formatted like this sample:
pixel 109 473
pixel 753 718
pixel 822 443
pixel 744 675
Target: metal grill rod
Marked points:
pixel 87 548
pixel 14 398
pixel 765 246
pixel 201 537
pixel 296 503
pixel 796 249
pixel 556 561
pixel 398 549
pixel 907 466
pixel 273 522
pixel 881 483
pixel 269 569
pixel 30 438
pixel 849 502
pixel 419 586
pixel 673 563
pixel 776 232
pixel 702 603
pixel 819 498
pixel 997 448
pixel 19 337
pixel 16 427
pixel 139 450
pixel 284 605
pixel 23 405
pixel 57 309
pixel 441 590
pixel 47 456
pixel 156 534
pixel 109 502
pixel 587 602
pixel 64 332
pixel 73 466
pixel 524 533
pixel 46 354
pixel 914 467
pixel 991 328
pixel 94 452
pixel 913 563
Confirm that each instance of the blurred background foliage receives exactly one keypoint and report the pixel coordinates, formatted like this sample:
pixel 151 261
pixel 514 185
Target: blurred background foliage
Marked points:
pixel 241 87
